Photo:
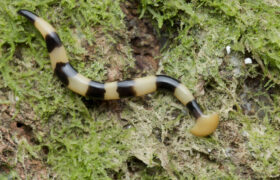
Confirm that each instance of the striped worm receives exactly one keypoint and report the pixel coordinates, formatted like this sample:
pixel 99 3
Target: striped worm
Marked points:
pixel 205 124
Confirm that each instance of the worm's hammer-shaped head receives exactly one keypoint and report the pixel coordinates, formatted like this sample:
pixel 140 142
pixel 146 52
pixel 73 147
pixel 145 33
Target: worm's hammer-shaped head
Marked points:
pixel 205 125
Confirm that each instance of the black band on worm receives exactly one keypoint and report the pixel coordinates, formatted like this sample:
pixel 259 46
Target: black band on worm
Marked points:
pixel 53 41
pixel 96 90
pixel 167 83
pixel 194 109
pixel 29 15
pixel 63 71
pixel 125 88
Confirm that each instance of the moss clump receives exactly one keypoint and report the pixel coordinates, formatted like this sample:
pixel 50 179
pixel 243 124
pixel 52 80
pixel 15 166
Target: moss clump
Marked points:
pixel 250 26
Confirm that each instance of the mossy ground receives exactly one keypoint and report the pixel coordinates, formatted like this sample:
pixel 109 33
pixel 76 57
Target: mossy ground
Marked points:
pixel 49 132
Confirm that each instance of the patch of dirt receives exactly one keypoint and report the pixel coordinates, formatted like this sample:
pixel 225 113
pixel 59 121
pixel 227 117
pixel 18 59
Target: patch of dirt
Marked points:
pixel 20 123
pixel 143 40
pixel 15 128
pixel 235 148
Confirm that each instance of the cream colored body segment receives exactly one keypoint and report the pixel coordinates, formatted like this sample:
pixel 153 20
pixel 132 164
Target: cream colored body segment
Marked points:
pixel 44 27
pixel 183 94
pixel 111 91
pixel 145 85
pixel 58 55
pixel 78 84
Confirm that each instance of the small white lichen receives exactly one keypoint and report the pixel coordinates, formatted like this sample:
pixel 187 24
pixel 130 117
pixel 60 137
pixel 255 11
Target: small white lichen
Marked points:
pixel 228 49
pixel 248 61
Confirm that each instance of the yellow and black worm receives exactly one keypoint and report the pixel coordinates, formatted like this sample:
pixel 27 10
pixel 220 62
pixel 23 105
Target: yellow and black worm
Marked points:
pixel 205 124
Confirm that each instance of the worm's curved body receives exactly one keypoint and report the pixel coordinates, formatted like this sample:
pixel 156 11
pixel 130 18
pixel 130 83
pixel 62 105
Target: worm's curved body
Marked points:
pixel 205 125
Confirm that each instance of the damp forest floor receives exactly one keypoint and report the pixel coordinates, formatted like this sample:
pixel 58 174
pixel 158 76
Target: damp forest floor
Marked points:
pixel 49 132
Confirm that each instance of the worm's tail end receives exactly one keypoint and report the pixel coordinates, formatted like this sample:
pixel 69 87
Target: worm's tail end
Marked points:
pixel 29 15
pixel 205 125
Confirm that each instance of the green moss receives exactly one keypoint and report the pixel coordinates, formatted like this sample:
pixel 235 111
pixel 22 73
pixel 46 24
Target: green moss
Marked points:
pixel 264 146
pixel 11 175
pixel 247 26
pixel 95 152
